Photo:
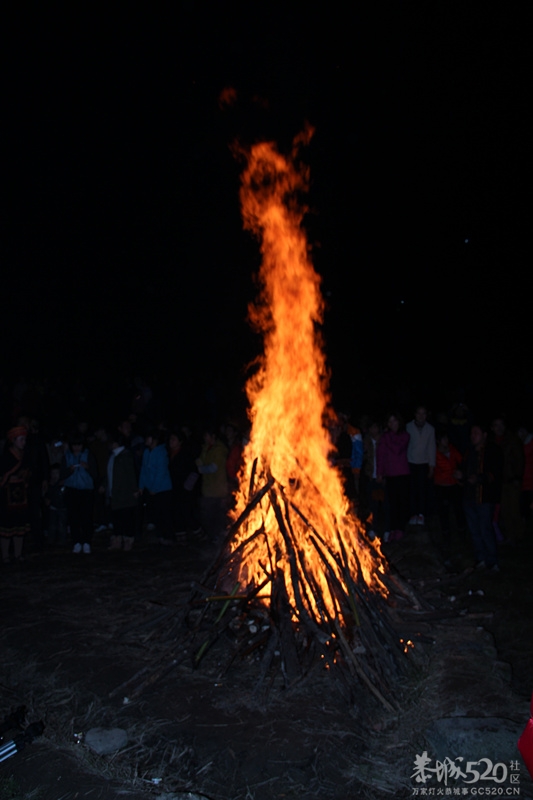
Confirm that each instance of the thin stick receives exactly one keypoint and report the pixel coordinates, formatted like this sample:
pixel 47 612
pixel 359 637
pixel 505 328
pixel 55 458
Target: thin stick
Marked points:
pixel 290 664
pixel 336 582
pixel 223 557
pixel 267 658
pixel 222 561
pixel 292 558
pixel 359 670
pixel 157 674
pixel 218 597
pixel 307 582
pixel 124 685
pixel 258 496
pixel 252 478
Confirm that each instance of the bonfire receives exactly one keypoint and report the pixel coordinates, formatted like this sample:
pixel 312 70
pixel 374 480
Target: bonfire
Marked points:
pixel 305 524
pixel 296 547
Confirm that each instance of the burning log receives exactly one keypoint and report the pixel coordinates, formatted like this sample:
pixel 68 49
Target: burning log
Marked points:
pixel 359 630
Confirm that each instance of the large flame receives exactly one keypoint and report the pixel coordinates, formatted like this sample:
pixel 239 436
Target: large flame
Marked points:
pixel 289 404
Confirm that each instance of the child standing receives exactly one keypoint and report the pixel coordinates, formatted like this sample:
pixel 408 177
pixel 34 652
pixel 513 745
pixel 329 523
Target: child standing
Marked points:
pixel 79 472
pixel 54 501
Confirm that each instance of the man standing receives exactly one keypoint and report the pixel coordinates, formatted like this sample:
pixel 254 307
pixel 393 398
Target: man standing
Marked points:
pixel 421 455
pixel 482 473
pixel 123 494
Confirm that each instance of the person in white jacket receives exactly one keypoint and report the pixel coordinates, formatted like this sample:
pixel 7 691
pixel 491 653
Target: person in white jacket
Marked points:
pixel 421 455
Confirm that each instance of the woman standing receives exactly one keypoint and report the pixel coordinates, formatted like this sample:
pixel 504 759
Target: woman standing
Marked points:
pixel 14 511
pixel 393 469
pixel 79 474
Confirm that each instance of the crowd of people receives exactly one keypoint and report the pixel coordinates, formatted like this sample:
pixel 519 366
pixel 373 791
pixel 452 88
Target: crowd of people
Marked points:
pixel 466 473
pixel 57 491
pixel 135 476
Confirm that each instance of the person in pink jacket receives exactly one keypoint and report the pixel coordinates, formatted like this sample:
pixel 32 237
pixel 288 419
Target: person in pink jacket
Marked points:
pixel 392 468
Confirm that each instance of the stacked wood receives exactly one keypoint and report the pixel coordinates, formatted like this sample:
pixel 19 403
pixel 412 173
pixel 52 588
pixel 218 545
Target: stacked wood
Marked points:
pixel 360 641
pixel 358 644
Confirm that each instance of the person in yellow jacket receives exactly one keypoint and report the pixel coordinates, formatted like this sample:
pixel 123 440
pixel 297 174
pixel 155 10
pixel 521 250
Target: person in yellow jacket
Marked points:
pixel 211 465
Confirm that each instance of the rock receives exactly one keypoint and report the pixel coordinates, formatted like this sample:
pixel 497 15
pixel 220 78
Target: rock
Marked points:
pixel 473 738
pixel 106 740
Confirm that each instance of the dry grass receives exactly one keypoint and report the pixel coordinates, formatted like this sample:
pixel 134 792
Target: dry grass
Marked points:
pixel 69 710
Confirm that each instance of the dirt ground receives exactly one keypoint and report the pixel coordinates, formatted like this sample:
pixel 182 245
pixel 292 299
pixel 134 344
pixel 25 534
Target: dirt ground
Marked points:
pixel 76 628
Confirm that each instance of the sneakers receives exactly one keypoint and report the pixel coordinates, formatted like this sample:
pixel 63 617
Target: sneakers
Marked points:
pixel 414 520
pixel 78 548
pixel 480 565
pixel 421 520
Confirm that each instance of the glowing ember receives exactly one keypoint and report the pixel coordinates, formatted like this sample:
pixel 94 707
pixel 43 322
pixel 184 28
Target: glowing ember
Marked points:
pixel 304 524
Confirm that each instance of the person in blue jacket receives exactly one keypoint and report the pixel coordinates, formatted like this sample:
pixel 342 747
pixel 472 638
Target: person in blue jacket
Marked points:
pixel 79 473
pixel 155 480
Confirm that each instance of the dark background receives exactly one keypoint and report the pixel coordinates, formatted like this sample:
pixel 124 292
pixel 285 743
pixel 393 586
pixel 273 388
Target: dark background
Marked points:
pixel 124 250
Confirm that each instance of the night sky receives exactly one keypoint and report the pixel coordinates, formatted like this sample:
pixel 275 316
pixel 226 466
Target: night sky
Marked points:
pixel 124 252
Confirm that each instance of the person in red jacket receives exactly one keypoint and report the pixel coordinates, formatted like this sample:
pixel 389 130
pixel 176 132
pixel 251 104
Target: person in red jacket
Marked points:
pixel 448 494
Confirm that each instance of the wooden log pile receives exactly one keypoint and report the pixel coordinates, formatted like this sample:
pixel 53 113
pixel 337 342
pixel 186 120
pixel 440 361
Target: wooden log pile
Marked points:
pixel 361 641
pixel 358 645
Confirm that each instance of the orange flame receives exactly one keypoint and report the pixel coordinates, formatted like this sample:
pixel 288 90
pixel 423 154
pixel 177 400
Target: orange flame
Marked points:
pixel 289 403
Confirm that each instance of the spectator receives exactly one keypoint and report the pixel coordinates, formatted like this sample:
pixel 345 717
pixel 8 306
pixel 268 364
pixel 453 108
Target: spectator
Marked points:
pixel 79 475
pixel 156 481
pixel 373 491
pixel 393 471
pixel 421 456
pixel 182 471
pixel 459 426
pixel 14 510
pixel 122 494
pixel 447 489
pixel 54 501
pixel 482 471
pixel 37 463
pixel 99 447
pixel 212 467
